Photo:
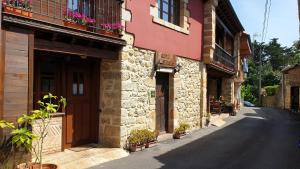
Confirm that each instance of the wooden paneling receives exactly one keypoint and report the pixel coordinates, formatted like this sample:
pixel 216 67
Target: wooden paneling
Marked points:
pixel 30 70
pixel 2 63
pixel 52 46
pixel 16 74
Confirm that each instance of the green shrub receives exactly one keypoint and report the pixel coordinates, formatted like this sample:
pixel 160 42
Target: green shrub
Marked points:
pixel 249 93
pixel 139 137
pixel 182 128
pixel 271 90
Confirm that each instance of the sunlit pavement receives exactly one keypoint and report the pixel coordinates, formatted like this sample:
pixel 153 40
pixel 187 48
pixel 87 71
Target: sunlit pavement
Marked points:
pixel 258 138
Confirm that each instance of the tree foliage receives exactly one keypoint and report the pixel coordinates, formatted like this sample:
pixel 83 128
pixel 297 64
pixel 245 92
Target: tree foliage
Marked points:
pixel 274 58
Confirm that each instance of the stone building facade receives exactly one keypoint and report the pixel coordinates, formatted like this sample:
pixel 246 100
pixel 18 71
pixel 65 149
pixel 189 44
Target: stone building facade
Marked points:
pixel 126 100
pixel 225 46
pixel 289 93
pixel 156 76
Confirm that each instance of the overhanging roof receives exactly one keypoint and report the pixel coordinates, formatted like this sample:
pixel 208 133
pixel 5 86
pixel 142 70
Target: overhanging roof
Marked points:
pixel 245 47
pixel 290 67
pixel 227 14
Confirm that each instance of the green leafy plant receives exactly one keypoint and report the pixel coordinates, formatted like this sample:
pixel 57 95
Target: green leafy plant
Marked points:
pixel 46 107
pixel 5 124
pixel 182 128
pixel 135 137
pixel 23 136
pixel 271 90
pixel 141 137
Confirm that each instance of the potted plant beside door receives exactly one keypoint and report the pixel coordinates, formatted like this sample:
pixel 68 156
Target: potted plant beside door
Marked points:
pixel 181 130
pixel 134 140
pixel 43 117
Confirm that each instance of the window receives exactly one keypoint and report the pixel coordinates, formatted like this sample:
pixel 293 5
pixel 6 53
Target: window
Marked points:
pixel 169 10
pixel 82 6
pixel 78 84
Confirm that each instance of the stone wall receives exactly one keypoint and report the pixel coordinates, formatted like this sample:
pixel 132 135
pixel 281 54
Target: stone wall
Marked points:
pixel 110 103
pixel 228 90
pixel 188 93
pixel 291 78
pixel 137 107
pixel 138 81
pixel 209 30
pixel 53 140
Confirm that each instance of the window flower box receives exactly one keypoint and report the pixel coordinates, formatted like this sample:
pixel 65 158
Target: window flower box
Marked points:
pixel 108 33
pixel 20 8
pixel 111 29
pixel 77 20
pixel 74 25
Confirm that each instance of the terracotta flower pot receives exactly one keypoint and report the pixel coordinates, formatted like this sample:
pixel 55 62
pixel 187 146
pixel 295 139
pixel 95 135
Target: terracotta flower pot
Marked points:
pixel 176 135
pixel 74 25
pixel 18 11
pixel 36 166
pixel 27 14
pixel 105 32
pixel 133 148
pixel 44 166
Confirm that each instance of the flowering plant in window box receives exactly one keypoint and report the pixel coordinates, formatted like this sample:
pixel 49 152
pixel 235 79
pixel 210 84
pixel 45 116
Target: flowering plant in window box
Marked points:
pixel 18 7
pixel 111 29
pixel 77 20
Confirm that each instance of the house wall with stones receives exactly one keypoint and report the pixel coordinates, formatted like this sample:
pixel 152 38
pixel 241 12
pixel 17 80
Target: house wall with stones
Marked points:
pixel 126 101
pixel 138 80
pixel 290 79
pixel 126 84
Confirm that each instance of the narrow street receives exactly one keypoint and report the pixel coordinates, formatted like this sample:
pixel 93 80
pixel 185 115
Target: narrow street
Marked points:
pixel 258 138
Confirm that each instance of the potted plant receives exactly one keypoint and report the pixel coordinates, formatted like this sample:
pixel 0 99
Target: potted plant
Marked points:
pixel 181 130
pixel 106 29
pixel 117 29
pixel 77 20
pixel 151 138
pixel 23 136
pixel 18 7
pixel 134 140
pixel 43 117
pixel 20 140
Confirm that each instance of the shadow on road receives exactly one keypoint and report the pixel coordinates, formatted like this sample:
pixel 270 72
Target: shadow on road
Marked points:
pixel 248 143
pixel 259 138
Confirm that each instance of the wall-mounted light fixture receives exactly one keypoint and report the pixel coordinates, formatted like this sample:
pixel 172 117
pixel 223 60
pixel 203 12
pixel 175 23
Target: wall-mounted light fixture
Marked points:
pixel 177 68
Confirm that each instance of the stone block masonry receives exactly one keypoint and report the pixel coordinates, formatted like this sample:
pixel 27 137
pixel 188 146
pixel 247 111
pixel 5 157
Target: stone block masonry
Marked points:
pixel 138 81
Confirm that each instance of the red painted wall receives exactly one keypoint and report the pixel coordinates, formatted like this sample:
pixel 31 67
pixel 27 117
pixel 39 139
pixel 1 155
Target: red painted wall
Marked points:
pixel 153 36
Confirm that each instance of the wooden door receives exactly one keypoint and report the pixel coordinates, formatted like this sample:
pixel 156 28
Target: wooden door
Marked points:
pixel 295 98
pixel 162 101
pixel 81 114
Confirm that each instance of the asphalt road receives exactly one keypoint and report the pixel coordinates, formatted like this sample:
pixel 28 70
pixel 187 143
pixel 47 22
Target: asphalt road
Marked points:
pixel 258 138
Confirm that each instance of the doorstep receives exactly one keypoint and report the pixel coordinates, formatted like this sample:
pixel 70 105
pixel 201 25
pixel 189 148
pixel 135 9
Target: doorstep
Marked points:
pixel 88 156
pixel 218 119
pixel 164 136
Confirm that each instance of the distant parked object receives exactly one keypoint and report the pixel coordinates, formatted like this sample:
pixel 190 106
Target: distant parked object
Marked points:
pixel 248 104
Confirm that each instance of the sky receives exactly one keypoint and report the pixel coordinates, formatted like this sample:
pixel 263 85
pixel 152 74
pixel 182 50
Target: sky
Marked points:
pixel 283 23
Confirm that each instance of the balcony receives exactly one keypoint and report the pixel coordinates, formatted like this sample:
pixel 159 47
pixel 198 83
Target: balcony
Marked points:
pixel 96 19
pixel 222 59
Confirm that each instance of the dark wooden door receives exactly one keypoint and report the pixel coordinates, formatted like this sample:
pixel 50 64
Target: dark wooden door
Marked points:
pixel 81 114
pixel 162 101
pixel 295 98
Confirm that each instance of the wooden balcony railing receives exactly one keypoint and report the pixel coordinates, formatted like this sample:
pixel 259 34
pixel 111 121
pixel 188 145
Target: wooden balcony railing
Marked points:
pixel 99 16
pixel 223 59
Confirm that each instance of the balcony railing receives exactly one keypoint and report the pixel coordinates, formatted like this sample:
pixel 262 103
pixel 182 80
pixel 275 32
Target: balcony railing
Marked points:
pixel 223 59
pixel 99 16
